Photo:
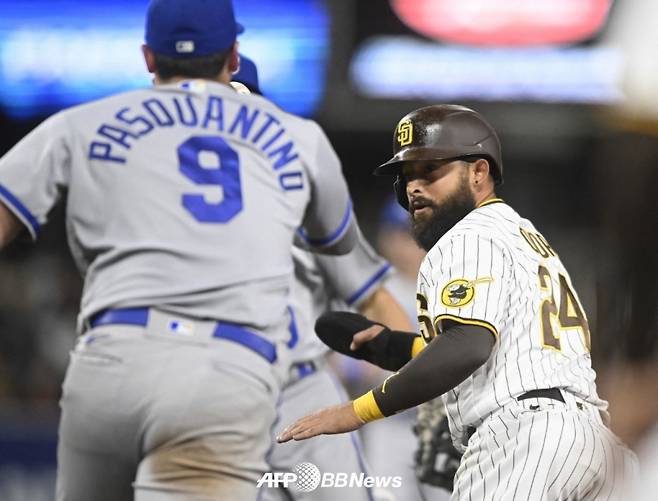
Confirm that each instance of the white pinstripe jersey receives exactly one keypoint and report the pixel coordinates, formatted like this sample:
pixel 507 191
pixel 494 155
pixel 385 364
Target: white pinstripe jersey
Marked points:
pixel 494 269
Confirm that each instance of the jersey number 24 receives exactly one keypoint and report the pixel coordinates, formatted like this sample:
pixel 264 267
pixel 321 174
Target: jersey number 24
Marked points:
pixel 568 313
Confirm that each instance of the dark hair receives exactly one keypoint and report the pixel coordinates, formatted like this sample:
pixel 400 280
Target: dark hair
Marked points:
pixel 192 67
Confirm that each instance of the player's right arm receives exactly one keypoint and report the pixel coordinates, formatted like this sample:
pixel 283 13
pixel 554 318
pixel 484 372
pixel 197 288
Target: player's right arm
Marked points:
pixel 10 226
pixel 447 361
pixel 464 283
pixel 33 174
pixel 329 226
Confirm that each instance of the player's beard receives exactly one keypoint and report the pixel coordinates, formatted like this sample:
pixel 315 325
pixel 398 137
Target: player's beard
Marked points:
pixel 427 231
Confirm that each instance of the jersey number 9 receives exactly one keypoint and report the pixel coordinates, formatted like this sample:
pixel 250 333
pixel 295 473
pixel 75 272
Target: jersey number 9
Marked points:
pixel 226 175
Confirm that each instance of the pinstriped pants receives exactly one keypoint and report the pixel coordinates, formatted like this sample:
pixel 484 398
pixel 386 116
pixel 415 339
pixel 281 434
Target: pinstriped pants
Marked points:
pixel 542 449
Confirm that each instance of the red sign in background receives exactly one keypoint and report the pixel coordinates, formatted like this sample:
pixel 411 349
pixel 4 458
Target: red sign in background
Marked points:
pixel 504 22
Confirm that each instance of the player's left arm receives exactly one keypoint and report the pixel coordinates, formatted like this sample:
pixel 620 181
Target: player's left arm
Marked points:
pixel 359 279
pixel 329 225
pixel 446 361
pixel 383 308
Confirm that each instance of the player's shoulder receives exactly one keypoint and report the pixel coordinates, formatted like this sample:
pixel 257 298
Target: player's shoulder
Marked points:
pixel 63 122
pixel 287 119
pixel 108 102
pixel 304 126
pixel 489 226
pixel 494 209
pixel 492 219
pixel 307 133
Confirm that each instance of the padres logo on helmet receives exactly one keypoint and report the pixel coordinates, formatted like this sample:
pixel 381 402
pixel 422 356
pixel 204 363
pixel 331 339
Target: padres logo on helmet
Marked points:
pixel 460 292
pixel 405 132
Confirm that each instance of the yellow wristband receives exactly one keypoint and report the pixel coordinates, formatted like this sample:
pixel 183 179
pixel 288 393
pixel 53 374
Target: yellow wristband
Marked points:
pixel 366 408
pixel 418 346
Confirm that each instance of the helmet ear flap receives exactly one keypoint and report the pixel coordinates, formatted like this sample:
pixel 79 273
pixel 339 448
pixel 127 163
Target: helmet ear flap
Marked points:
pixel 400 187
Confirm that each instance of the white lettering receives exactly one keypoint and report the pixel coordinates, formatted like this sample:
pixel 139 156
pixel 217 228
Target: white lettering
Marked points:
pixel 327 480
pixel 341 480
pixel 277 478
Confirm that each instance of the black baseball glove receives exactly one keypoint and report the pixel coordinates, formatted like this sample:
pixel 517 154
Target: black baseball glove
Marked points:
pixel 436 458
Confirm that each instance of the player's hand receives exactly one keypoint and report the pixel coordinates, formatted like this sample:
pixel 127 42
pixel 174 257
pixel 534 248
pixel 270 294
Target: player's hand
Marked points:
pixel 337 419
pixel 364 336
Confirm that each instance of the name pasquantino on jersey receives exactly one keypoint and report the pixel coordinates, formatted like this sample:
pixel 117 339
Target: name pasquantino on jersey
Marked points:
pixel 258 127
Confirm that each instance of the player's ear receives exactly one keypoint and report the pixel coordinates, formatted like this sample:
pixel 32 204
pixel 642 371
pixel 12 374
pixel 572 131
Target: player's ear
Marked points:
pixel 233 59
pixel 149 58
pixel 480 171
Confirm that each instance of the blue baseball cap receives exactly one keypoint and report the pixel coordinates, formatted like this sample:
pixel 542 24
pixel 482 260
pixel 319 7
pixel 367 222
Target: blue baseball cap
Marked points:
pixel 247 74
pixel 190 28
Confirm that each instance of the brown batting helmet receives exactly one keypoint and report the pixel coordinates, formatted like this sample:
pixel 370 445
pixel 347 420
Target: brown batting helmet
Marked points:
pixel 441 132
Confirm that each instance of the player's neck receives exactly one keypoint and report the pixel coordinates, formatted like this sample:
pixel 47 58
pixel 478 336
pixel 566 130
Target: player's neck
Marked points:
pixel 224 78
pixel 485 196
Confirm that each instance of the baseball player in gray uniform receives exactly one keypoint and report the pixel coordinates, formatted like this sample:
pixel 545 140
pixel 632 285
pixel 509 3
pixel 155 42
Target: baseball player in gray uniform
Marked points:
pixel 507 340
pixel 357 280
pixel 182 205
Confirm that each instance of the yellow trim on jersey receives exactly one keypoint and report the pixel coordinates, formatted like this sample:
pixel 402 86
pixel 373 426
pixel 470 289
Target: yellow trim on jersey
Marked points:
pixel 366 408
pixel 490 201
pixel 417 346
pixel 469 321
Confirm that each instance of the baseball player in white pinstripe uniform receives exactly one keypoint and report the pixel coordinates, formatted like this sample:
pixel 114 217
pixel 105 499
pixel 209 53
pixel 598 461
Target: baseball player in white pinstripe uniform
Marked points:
pixel 506 339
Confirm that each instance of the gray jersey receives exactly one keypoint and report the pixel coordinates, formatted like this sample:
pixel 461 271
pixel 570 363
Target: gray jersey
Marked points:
pixel 183 196
pixel 331 282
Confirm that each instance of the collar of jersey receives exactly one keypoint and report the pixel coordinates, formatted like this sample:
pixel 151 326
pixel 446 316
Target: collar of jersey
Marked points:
pixel 490 201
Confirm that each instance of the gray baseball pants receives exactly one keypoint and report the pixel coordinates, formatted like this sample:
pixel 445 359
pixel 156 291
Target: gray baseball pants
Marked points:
pixel 149 415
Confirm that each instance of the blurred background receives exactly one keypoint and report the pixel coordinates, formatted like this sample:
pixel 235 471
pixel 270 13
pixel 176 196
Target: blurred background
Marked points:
pixel 570 85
